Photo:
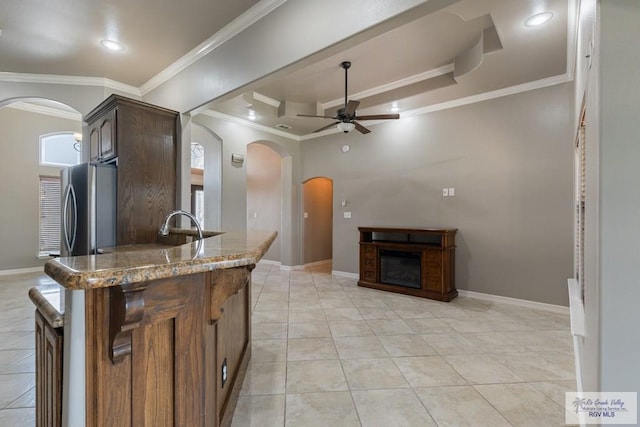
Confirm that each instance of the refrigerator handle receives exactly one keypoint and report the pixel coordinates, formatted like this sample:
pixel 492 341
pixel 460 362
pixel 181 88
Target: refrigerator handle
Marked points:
pixel 69 241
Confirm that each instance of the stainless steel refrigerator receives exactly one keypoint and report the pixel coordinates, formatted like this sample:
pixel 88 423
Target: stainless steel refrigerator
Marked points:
pixel 88 223
pixel 88 208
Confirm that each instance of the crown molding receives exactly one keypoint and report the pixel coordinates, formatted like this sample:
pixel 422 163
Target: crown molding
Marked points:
pixel 393 85
pixel 40 109
pixel 250 124
pixel 242 22
pixel 69 80
pixel 473 99
pixel 572 36
pixel 266 100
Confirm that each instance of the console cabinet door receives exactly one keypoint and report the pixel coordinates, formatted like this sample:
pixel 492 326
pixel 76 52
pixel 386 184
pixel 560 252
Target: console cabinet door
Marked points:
pixel 48 373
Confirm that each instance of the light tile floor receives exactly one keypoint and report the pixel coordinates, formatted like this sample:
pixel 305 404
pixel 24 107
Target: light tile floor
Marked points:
pixel 17 343
pixel 328 353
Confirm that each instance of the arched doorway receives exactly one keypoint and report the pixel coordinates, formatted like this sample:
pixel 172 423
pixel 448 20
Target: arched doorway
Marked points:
pixel 264 194
pixel 318 221
pixel 210 179
pixel 29 181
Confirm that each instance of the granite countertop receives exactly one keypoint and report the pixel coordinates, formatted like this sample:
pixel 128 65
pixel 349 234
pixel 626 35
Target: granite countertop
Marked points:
pixel 49 299
pixel 126 265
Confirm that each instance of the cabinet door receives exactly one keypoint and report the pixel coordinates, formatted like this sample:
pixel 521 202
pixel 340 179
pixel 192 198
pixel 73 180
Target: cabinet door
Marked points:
pixel 107 136
pixel 94 144
pixel 48 374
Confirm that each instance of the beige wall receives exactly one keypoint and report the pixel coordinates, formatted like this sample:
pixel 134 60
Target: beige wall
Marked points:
pixel 510 161
pixel 264 193
pixel 19 144
pixel 318 224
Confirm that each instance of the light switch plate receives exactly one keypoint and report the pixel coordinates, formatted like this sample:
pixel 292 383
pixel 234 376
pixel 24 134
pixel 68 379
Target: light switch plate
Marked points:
pixel 452 192
pixel 445 192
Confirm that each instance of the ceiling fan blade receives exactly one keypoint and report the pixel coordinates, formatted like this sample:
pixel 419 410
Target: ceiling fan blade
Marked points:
pixel 325 127
pixel 360 128
pixel 351 108
pixel 321 117
pixel 378 117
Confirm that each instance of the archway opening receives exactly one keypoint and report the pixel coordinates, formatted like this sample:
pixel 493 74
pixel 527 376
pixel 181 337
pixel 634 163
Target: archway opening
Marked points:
pixel 318 221
pixel 264 193
pixel 206 176
pixel 34 133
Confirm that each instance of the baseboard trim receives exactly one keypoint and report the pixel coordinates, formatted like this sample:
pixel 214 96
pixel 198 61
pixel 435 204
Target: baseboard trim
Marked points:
pixel 345 274
pixel 515 301
pixel 318 263
pixel 294 267
pixel 291 267
pixel 22 271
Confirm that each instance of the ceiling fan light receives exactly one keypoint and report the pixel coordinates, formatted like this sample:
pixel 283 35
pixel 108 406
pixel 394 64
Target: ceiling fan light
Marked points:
pixel 346 127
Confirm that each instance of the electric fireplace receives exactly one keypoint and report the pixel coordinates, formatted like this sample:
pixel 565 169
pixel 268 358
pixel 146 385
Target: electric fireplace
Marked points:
pixel 400 268
pixel 413 261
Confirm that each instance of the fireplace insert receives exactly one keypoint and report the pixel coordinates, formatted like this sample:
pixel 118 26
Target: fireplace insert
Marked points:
pixel 400 268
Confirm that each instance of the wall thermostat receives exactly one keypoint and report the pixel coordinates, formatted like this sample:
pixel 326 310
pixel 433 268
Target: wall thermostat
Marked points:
pixel 345 148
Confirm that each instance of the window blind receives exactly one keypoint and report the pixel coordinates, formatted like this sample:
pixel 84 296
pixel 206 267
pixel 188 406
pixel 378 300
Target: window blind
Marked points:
pixel 49 214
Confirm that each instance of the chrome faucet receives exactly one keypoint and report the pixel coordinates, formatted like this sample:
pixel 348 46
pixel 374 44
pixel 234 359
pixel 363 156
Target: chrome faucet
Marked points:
pixel 164 228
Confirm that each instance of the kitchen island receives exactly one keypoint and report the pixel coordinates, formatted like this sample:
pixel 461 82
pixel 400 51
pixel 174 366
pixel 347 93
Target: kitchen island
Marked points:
pixel 154 335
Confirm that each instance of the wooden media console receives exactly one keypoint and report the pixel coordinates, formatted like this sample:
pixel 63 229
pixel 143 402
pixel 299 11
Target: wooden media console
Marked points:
pixel 412 261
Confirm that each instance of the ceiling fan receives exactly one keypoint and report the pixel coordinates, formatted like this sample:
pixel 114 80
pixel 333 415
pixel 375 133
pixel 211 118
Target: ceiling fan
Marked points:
pixel 346 116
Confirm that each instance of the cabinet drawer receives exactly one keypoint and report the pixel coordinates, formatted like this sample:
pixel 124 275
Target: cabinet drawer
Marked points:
pixel 369 251
pixel 369 275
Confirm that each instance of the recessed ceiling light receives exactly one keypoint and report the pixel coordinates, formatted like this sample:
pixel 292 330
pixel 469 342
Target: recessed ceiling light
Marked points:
pixel 252 115
pixel 112 45
pixel 394 106
pixel 538 19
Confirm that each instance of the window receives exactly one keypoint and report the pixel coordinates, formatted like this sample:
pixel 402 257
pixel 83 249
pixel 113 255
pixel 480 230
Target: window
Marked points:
pixel 197 156
pixel 60 149
pixel 197 181
pixel 49 215
pixel 197 203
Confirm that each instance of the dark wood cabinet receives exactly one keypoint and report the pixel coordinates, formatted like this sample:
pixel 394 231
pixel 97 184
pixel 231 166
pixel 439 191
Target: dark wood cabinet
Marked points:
pixel 48 373
pixel 412 261
pixel 142 139
pixel 102 137
pixel 187 344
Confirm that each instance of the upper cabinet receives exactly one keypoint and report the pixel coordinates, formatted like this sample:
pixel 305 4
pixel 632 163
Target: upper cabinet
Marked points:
pixel 102 137
pixel 143 139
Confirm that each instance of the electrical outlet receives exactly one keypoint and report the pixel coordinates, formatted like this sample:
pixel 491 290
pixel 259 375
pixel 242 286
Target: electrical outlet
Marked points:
pixel 223 371
pixel 306 214
pixel 347 215
pixel 445 192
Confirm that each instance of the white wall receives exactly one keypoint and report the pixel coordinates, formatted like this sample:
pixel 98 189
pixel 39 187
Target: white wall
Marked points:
pixel 19 219
pixel 510 161
pixel 619 202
